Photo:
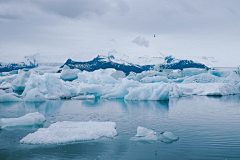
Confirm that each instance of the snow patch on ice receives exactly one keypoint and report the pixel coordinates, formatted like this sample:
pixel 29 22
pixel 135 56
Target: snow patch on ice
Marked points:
pixel 67 131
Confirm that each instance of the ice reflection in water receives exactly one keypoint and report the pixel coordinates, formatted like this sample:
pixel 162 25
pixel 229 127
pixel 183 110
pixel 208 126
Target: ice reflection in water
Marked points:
pixel 208 128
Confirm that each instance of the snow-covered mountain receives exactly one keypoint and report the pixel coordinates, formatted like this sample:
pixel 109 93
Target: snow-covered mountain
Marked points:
pixel 103 62
pixel 123 63
pixel 29 62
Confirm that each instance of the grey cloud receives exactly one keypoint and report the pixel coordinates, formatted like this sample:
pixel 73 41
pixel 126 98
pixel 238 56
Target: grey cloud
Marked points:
pixel 13 9
pixel 74 8
pixel 141 41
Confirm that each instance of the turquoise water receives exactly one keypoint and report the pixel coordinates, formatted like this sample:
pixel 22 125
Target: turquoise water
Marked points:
pixel 208 128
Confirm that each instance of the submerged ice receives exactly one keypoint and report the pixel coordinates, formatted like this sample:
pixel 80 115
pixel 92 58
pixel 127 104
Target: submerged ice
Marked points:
pixel 68 131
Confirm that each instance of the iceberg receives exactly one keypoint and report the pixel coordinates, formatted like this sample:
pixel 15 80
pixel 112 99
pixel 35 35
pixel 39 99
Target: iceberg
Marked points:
pixel 48 85
pixel 155 79
pixel 83 97
pixel 144 134
pixel 209 89
pixel 167 137
pixel 187 72
pixel 29 119
pixel 5 85
pixel 8 79
pixel 19 83
pixel 118 74
pixel 34 96
pixel 8 97
pixel 105 79
pixel 68 131
pixel 121 90
pixel 68 74
pixel 148 74
pixel 154 91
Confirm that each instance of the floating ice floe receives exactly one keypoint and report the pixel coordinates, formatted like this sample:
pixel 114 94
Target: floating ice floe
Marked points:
pixel 144 134
pixel 167 137
pixel 68 74
pixel 67 131
pixel 29 119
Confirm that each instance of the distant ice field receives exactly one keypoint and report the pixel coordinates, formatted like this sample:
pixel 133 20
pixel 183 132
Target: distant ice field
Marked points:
pixel 40 85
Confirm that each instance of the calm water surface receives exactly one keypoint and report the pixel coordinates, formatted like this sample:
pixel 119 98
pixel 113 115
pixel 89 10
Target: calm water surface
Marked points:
pixel 208 128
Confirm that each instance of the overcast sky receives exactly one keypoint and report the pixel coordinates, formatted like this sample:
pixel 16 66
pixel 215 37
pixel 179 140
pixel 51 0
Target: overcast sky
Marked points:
pixel 82 29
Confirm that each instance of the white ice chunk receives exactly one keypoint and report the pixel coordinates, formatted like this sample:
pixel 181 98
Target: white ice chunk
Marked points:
pixel 29 119
pixel 5 85
pixel 34 96
pixel 82 77
pixel 84 97
pixel 8 79
pixel 202 78
pixel 95 89
pixel 19 83
pixel 154 79
pixel 131 76
pixel 48 85
pixel 121 90
pixel 167 137
pixel 209 89
pixel 118 74
pixel 144 134
pixel 93 80
pixel 8 97
pixel 154 91
pixel 219 73
pixel 67 131
pixel 108 79
pixel 147 74
pixel 185 72
pixel 68 74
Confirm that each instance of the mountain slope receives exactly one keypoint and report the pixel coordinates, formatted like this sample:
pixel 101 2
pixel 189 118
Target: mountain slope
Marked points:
pixel 103 62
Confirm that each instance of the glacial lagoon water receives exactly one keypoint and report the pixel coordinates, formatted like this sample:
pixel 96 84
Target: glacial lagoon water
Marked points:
pixel 207 127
